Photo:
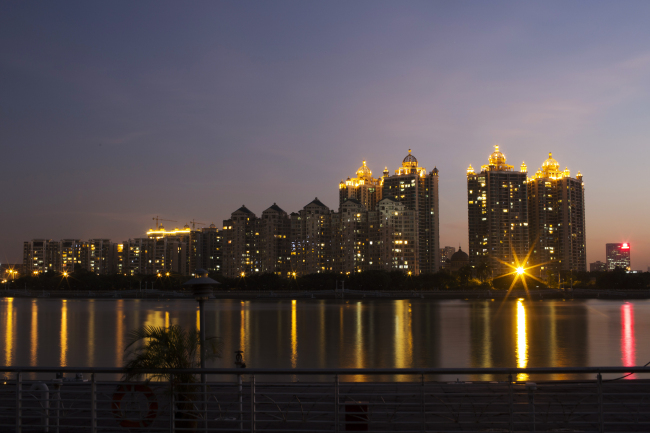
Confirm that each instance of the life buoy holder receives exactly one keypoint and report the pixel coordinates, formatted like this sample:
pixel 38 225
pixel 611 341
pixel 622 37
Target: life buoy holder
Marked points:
pixel 123 390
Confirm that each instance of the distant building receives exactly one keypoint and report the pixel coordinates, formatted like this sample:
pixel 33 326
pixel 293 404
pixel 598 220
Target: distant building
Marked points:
pixel 240 244
pixel 364 188
pixel 598 266
pixel 417 190
pixel 445 256
pixel 497 214
pixel 275 241
pixel 458 260
pixel 40 255
pixel 618 256
pixel 311 237
pixel 556 219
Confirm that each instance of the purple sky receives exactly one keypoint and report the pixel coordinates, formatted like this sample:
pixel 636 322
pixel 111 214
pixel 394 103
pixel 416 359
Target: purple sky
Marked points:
pixel 112 113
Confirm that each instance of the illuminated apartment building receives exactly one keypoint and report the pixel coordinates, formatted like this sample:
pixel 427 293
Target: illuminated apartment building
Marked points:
pixel 618 256
pixel 364 188
pixel 417 190
pixel 211 249
pixel 275 241
pixel 240 244
pixel 497 214
pixel 556 219
pixel 96 256
pixel 350 237
pixel 72 252
pixel 445 257
pixel 392 238
pixel 40 255
pixel 311 239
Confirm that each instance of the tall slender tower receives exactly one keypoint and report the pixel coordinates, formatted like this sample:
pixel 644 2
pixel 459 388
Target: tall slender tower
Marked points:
pixel 556 209
pixel 497 214
pixel 417 190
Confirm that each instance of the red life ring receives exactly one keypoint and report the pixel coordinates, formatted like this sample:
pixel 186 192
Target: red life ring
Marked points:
pixel 122 390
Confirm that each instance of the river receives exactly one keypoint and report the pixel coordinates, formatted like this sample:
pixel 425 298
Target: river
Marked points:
pixel 339 333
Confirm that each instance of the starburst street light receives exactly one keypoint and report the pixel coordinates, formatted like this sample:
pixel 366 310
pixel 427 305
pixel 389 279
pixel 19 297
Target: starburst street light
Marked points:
pixel 519 270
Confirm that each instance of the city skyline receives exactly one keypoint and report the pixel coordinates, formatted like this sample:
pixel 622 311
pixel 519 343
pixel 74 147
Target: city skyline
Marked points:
pixel 190 112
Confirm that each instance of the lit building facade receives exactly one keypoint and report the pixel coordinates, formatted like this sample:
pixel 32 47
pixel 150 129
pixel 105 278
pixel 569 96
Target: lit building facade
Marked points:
pixel 240 244
pixel 597 266
pixel 40 255
pixel 311 239
pixel 350 237
pixel 366 189
pixel 392 238
pixel 445 257
pixel 618 256
pixel 417 190
pixel 556 219
pixel 275 241
pixel 497 214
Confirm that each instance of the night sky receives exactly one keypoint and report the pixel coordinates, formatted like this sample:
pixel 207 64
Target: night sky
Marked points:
pixel 112 113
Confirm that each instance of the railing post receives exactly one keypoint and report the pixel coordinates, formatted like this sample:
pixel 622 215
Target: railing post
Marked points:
pixel 424 413
pixel 241 405
pixel 510 404
pixel 336 403
pixel 93 404
pixel 252 403
pixel 19 397
pixel 172 411
pixel 601 413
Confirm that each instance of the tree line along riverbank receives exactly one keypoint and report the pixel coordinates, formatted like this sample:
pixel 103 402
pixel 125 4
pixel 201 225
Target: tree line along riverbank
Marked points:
pixel 370 281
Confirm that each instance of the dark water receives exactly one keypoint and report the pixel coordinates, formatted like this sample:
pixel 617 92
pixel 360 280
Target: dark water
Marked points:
pixel 337 333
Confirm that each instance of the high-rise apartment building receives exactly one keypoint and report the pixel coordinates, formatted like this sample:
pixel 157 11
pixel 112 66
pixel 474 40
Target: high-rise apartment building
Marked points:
pixel 350 237
pixel 240 244
pixel 445 257
pixel 392 238
pixel 97 256
pixel 364 188
pixel 556 219
pixel 417 190
pixel 275 241
pixel 40 255
pixel 311 238
pixel 72 252
pixel 618 256
pixel 497 214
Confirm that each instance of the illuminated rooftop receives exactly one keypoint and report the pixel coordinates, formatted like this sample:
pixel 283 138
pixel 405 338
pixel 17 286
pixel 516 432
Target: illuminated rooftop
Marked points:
pixel 551 170
pixel 410 166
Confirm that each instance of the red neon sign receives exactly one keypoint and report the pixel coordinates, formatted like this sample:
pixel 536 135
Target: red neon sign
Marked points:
pixel 625 246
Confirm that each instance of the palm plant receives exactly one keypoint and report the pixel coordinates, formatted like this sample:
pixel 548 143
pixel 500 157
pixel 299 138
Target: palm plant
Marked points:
pixel 157 347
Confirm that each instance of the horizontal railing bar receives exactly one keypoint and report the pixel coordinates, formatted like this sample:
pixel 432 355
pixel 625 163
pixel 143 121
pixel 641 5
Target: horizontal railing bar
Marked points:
pixel 332 371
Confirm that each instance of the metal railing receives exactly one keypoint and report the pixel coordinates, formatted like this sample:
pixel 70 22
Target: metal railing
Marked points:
pixel 237 400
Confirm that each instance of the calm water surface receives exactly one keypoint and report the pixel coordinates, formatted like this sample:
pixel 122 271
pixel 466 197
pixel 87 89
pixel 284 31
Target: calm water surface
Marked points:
pixel 339 333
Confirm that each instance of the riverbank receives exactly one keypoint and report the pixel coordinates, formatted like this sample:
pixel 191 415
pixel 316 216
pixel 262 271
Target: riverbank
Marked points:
pixel 334 294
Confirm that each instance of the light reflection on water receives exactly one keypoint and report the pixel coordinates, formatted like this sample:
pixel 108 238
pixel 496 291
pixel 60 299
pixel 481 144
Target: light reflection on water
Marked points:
pixel 338 333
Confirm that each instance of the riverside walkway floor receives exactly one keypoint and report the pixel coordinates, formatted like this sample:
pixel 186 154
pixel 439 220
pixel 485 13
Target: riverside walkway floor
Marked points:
pixel 404 400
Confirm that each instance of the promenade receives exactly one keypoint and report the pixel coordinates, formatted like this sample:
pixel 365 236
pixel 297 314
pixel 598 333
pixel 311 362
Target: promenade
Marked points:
pixel 265 400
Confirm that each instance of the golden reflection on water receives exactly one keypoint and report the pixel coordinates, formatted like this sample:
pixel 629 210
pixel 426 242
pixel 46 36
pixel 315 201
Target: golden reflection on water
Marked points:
pixel 198 319
pixel 244 327
pixel 33 338
pixel 91 332
pixel 403 338
pixel 358 344
pixel 522 340
pixel 9 332
pixel 166 319
pixel 64 333
pixel 294 336
pixel 119 333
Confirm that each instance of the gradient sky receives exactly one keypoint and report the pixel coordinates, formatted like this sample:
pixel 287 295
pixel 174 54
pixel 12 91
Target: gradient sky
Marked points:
pixel 114 112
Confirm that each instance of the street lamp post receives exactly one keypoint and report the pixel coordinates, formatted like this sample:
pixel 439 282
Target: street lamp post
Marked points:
pixel 202 290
